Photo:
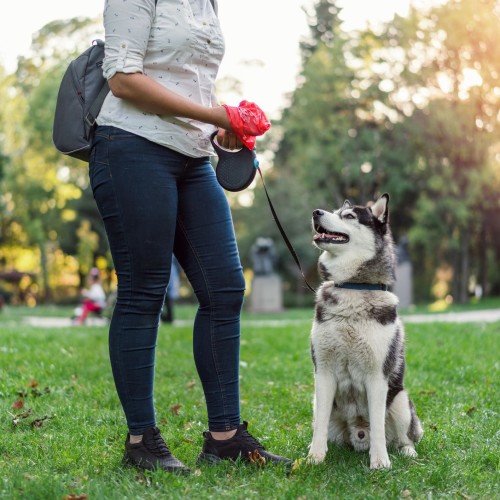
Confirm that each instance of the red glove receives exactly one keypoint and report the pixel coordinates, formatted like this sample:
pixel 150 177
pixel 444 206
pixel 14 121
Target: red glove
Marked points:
pixel 247 121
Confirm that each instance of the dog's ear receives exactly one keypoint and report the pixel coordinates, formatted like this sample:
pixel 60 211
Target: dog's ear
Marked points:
pixel 347 204
pixel 380 209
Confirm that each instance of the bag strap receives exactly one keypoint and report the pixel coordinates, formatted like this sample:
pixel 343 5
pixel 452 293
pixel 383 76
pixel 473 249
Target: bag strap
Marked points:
pixel 96 106
pixel 292 251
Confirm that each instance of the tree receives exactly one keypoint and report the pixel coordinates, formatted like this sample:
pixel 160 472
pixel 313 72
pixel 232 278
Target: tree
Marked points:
pixel 448 65
pixel 410 108
pixel 332 137
pixel 39 181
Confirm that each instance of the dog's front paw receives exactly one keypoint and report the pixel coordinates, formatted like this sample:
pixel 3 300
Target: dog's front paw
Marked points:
pixel 408 451
pixel 317 453
pixel 380 461
pixel 316 458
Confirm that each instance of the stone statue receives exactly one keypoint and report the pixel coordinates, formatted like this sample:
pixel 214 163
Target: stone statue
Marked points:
pixel 263 254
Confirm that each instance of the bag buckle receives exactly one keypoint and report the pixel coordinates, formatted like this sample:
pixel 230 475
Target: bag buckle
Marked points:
pixel 89 120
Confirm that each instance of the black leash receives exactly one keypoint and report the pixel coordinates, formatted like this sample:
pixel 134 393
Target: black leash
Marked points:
pixel 236 171
pixel 292 251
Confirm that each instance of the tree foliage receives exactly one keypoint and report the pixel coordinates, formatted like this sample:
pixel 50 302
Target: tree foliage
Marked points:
pixel 39 184
pixel 410 108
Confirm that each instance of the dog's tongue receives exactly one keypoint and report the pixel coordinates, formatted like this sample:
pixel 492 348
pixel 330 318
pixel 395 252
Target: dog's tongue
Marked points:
pixel 323 236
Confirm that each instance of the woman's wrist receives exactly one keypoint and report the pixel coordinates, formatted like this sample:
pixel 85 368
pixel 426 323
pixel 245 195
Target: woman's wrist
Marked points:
pixel 217 116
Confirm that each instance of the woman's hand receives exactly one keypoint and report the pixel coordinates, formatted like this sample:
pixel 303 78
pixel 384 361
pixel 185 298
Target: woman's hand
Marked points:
pixel 228 140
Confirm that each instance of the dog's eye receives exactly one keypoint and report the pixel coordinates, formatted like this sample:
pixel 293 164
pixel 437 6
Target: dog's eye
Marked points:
pixel 349 216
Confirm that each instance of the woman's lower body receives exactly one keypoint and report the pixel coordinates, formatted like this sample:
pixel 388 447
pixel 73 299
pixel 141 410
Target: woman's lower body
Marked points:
pixel 156 202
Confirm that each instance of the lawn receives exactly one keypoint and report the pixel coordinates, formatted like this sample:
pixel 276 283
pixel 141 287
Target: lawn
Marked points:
pixel 62 429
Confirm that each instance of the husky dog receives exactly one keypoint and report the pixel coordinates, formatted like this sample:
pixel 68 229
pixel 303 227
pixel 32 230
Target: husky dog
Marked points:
pixel 357 339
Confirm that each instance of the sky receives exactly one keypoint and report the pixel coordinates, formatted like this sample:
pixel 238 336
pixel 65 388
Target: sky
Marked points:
pixel 262 38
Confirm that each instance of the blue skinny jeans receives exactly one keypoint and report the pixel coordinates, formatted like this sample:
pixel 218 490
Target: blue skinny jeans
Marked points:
pixel 156 202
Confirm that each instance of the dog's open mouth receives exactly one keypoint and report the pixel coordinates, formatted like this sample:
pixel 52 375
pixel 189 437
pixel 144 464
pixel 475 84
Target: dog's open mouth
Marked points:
pixel 323 236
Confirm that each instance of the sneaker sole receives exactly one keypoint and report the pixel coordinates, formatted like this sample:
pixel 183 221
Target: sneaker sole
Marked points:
pixel 178 471
pixel 209 459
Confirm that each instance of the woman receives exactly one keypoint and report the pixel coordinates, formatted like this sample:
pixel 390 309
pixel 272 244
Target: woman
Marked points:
pixel 157 194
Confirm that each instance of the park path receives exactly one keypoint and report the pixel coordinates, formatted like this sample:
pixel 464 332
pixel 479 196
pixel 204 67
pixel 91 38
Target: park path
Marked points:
pixel 51 322
pixel 484 316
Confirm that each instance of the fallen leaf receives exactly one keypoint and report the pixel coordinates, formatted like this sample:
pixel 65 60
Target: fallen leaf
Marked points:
pixel 73 496
pixel 18 404
pixel 428 392
pixel 256 458
pixel 470 410
pixel 140 478
pixel 190 385
pixel 33 383
pixel 21 416
pixel 298 463
pixel 175 409
pixel 38 422
pixel 406 493
pixel 188 426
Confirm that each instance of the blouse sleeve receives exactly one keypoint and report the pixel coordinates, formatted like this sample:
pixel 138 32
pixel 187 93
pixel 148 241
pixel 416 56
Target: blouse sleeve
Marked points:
pixel 127 24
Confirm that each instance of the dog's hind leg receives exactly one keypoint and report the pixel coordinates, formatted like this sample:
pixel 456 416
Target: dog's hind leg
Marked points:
pixel 403 423
pixel 376 391
pixel 338 430
pixel 324 394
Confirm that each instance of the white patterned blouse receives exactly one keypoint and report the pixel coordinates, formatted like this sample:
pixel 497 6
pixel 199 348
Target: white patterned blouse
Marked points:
pixel 179 44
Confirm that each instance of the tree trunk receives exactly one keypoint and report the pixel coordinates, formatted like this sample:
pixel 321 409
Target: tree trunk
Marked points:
pixel 483 261
pixel 46 295
pixel 463 293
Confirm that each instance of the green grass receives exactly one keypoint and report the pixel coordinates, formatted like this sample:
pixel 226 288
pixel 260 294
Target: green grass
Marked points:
pixel 452 377
pixel 441 306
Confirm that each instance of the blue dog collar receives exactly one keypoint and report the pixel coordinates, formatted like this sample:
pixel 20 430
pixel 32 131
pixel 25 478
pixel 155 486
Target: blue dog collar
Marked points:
pixel 363 286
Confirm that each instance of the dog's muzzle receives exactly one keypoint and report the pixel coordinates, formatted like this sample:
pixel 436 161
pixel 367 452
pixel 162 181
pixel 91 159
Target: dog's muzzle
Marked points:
pixel 323 235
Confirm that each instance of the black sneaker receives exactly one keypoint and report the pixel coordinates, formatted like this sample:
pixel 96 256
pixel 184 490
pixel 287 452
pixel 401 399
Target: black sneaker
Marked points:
pixel 152 453
pixel 241 446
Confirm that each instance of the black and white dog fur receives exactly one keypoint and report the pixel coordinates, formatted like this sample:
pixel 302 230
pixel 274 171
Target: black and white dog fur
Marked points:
pixel 357 339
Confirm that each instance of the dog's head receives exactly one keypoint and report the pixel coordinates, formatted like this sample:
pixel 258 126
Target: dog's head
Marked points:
pixel 352 238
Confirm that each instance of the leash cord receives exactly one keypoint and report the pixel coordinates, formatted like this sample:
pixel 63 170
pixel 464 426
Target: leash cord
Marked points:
pixel 292 251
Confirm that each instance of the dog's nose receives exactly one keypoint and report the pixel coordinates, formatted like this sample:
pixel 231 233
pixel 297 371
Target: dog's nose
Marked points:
pixel 318 213
pixel 361 434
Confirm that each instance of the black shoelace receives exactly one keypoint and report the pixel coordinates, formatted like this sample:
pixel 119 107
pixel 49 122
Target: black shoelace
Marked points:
pixel 156 445
pixel 252 441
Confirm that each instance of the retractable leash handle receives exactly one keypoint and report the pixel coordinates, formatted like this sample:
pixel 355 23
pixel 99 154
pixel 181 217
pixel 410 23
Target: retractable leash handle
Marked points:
pixel 235 171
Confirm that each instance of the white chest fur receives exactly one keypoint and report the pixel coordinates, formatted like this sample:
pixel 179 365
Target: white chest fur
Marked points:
pixel 350 338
